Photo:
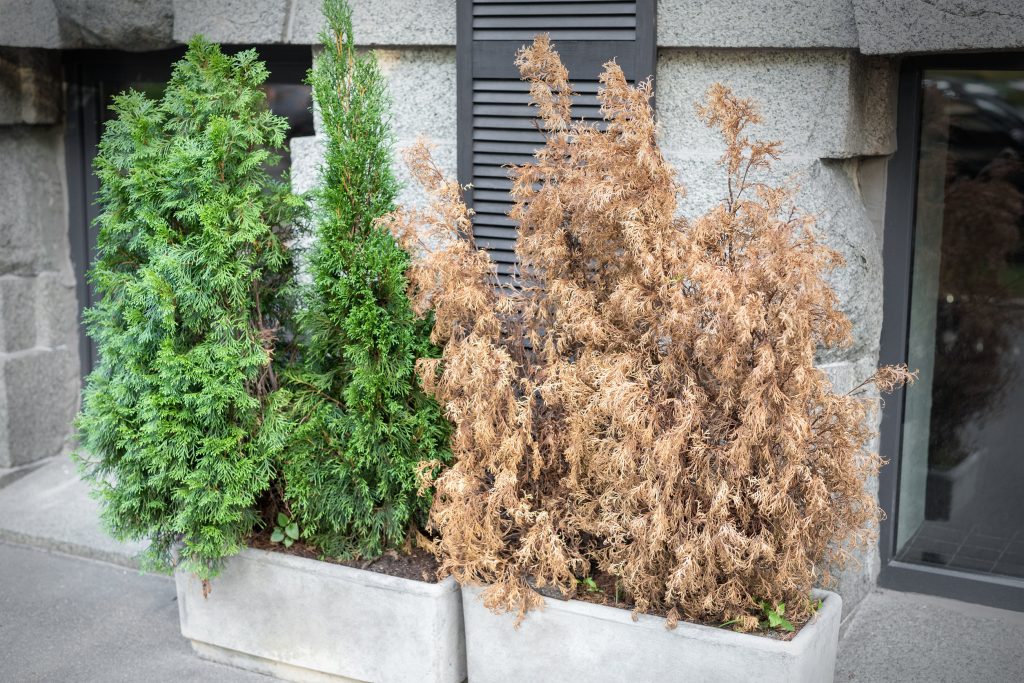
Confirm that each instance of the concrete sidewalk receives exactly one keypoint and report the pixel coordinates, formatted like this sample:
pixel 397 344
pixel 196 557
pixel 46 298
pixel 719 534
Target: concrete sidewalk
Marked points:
pixel 70 619
pixel 65 618
pixel 909 637
pixel 50 508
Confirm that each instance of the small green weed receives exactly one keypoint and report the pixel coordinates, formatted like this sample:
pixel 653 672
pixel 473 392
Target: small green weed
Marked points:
pixel 285 531
pixel 774 616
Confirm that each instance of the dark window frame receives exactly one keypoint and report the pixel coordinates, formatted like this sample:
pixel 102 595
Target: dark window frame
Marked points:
pixel 898 254
pixel 85 74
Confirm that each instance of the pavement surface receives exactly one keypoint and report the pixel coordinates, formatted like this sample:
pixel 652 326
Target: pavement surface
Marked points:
pixel 69 619
pixel 74 608
pixel 50 507
pixel 894 636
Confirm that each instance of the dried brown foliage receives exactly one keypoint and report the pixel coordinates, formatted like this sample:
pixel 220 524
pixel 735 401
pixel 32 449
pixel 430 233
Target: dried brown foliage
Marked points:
pixel 645 403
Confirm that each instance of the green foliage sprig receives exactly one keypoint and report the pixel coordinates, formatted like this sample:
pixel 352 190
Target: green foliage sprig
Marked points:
pixel 285 531
pixel 179 428
pixel 361 423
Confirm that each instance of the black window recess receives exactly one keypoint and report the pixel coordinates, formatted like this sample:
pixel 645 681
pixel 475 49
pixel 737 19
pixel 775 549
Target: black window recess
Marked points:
pixel 496 123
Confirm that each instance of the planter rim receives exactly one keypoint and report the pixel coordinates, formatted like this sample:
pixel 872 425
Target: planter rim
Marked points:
pixel 830 603
pixel 364 577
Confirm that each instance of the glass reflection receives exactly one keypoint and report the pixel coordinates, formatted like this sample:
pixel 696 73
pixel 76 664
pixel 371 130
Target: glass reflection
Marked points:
pixel 962 472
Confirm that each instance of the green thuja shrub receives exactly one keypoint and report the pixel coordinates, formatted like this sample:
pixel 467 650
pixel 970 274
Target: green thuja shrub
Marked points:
pixel 179 429
pixel 362 425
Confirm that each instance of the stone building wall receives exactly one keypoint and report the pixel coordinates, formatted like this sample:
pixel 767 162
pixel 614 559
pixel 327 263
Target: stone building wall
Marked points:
pixel 39 381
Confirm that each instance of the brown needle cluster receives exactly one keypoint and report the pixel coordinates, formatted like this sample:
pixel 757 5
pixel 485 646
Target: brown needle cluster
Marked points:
pixel 644 403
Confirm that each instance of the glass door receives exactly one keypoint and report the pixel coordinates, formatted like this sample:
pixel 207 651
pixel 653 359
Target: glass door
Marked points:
pixel 959 490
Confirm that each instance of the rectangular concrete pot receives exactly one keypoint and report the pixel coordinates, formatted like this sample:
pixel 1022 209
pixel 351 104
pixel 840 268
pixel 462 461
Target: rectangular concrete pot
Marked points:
pixel 304 620
pixel 579 641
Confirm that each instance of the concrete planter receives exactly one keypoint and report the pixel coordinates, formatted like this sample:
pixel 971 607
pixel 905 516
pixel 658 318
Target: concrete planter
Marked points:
pixel 305 620
pixel 579 641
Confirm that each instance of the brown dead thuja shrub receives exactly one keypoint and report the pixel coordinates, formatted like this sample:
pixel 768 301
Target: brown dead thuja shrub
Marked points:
pixel 644 405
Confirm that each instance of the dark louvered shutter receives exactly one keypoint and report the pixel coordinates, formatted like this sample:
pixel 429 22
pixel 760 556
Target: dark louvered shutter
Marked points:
pixel 496 123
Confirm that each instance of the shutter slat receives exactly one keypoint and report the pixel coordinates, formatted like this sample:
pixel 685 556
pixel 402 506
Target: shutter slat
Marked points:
pixel 525 110
pixel 508 85
pixel 534 136
pixel 502 256
pixel 500 122
pixel 499 208
pixel 502 159
pixel 491 195
pixel 506 231
pixel 533 22
pixel 488 231
pixel 552 9
pixel 556 34
pixel 525 148
pixel 491 183
pixel 490 171
pixel 496 244
pixel 523 98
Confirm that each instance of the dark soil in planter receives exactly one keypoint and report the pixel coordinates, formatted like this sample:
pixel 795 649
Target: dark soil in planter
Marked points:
pixel 419 565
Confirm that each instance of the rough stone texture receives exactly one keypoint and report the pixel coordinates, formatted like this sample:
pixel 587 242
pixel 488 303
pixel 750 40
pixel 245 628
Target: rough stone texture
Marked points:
pixel 820 103
pixel 232 21
pixel 756 23
pixel 581 641
pixel 153 24
pixel 51 508
pixel 916 26
pixel 17 312
pixel 831 109
pixel 287 615
pixel 39 389
pixel 32 23
pixel 377 22
pixel 422 86
pixel 56 309
pixel 29 92
pixel 872 179
pixel 133 25
pixel 68 619
pixel 33 226
pixel 914 638
pixel 307 154
pixel 383 22
pixel 38 309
